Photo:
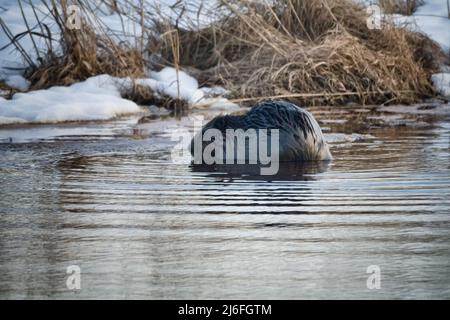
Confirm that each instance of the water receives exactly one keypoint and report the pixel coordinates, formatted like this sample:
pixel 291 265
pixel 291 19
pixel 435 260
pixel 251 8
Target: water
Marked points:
pixel 106 198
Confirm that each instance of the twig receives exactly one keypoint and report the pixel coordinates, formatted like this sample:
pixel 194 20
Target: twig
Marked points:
pixel 142 26
pixel 29 30
pixel 16 43
pixel 448 8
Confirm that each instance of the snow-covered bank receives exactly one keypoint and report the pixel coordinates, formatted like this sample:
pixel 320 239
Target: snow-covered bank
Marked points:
pixel 175 85
pixel 97 98
pixel 431 19
pixel 66 104
pixel 442 83
pixel 18 82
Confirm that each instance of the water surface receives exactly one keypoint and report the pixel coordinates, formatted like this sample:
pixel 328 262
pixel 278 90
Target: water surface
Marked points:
pixel 105 197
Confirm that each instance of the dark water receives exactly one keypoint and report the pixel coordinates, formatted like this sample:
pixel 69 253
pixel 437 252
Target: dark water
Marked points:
pixel 106 198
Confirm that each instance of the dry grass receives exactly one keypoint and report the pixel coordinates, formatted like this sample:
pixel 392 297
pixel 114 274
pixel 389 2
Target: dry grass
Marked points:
pixel 310 48
pixel 311 51
pixel 143 95
pixel 85 53
pixel 91 50
pixel 88 56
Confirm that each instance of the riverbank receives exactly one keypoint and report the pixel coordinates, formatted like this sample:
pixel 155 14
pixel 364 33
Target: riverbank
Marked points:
pixel 191 55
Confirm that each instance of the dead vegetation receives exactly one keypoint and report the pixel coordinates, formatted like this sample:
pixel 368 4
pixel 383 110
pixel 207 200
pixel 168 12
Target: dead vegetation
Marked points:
pixel 310 51
pixel 84 53
pixel 6 91
pixel 90 49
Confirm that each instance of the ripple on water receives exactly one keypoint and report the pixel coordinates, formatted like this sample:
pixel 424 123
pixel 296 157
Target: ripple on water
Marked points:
pixel 141 227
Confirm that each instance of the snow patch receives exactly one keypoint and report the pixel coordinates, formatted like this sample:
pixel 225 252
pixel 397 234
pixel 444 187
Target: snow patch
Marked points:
pixel 442 83
pixel 97 98
pixel 430 18
pixel 177 85
pixel 17 82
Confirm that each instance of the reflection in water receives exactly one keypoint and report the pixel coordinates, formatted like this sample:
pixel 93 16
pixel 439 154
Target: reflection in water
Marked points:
pixel 141 227
pixel 288 171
